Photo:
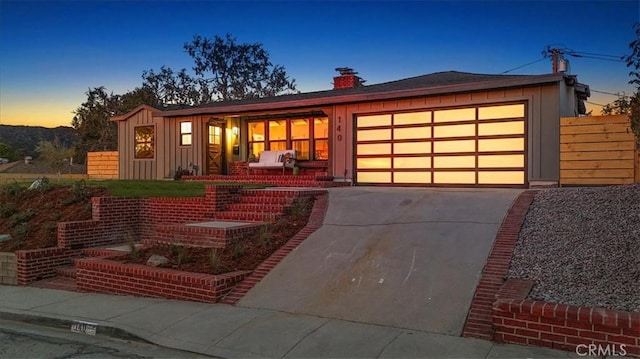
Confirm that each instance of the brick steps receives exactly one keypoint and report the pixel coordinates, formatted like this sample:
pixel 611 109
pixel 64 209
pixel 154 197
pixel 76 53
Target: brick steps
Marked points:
pixel 194 235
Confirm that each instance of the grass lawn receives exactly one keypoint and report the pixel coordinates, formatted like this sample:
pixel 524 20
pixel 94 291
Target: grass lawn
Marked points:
pixel 142 188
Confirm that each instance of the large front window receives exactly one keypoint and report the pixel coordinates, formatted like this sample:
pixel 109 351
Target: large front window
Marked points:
pixel 144 147
pixel 309 137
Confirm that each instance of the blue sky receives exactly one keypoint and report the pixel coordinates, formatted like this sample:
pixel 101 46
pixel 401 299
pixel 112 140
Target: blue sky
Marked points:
pixel 52 52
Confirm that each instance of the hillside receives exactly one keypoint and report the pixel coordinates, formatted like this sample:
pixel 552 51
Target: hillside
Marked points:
pixel 24 139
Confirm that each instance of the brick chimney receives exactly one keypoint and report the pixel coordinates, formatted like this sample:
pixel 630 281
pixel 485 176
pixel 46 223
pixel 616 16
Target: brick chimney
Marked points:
pixel 347 79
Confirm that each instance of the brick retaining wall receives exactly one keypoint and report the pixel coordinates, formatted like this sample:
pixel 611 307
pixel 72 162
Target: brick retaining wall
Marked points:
pixel 108 276
pixel 37 264
pixel 560 326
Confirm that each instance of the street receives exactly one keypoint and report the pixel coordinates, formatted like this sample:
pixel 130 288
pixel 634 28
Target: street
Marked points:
pixel 21 340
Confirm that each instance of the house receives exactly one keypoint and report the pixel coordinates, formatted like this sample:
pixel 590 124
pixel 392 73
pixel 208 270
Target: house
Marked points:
pixel 441 129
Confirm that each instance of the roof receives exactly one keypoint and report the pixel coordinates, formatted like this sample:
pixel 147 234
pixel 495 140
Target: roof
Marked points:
pixel 431 84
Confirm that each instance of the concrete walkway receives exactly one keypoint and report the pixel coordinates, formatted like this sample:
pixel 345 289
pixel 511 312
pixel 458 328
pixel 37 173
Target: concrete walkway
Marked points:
pixel 232 332
pixel 401 257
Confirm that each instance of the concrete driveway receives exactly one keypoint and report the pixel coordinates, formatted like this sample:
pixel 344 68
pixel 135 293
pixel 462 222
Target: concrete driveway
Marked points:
pixel 403 257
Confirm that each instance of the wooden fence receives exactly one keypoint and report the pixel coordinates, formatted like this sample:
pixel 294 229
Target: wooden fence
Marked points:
pixel 102 165
pixel 598 150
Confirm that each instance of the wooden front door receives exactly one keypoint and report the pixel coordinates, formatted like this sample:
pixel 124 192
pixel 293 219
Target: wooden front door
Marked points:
pixel 215 149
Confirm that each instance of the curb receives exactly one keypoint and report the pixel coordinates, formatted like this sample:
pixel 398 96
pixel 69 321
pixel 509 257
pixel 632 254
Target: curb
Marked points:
pixel 102 330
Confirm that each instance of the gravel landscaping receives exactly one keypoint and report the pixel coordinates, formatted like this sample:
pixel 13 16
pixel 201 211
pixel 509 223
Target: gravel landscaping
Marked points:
pixel 582 247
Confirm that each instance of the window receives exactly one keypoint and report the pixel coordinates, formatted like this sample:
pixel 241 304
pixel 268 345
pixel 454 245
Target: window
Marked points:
pixel 256 138
pixel 185 133
pixel 309 137
pixel 300 138
pixel 321 138
pixel 144 146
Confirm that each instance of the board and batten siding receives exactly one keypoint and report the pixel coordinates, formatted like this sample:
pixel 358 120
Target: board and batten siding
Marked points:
pixel 597 150
pixel 129 166
pixel 172 155
pixel 543 114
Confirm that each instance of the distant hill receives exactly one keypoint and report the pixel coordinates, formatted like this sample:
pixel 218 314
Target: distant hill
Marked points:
pixel 24 139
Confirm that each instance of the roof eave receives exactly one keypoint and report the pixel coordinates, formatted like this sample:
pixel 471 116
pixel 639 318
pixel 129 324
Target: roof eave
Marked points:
pixel 339 99
pixel 133 112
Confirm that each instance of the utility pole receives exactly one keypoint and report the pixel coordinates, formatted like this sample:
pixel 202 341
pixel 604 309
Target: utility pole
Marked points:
pixel 554 60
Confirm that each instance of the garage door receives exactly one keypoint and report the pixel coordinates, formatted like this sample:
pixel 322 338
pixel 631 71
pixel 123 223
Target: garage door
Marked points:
pixel 481 145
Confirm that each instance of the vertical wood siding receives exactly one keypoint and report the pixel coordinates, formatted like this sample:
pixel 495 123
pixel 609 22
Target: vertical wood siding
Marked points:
pixel 542 127
pixel 130 167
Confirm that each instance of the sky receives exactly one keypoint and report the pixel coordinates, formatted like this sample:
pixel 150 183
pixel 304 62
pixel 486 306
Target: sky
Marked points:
pixel 53 52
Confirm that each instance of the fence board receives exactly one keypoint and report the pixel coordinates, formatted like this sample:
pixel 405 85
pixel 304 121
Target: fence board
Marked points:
pixel 594 120
pixel 601 155
pixel 575 165
pixel 597 150
pixel 600 128
pixel 596 137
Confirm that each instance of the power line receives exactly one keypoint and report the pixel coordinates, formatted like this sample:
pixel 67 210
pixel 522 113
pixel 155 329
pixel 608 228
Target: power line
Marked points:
pixel 593 57
pixel 607 93
pixel 519 67
pixel 593 103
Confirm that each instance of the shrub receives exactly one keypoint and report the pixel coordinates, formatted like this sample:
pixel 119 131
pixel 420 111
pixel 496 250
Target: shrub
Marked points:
pixel 21 218
pixel 12 189
pixel 7 210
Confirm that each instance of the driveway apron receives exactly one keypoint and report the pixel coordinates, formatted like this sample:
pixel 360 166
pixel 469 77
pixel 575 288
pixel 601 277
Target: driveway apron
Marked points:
pixel 403 257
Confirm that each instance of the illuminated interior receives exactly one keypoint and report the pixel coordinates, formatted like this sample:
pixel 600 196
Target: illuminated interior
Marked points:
pixel 311 142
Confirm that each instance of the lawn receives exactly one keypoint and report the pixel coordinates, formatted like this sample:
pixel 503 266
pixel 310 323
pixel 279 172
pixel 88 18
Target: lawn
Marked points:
pixel 145 188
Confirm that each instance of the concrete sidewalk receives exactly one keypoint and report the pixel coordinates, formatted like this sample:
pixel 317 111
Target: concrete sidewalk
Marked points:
pixel 235 332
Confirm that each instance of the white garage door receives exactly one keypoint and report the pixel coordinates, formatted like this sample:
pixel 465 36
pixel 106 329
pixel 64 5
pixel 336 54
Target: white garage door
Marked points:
pixel 481 145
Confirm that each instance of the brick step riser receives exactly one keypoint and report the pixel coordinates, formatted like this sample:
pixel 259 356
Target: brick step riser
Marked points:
pixel 256 207
pixel 67 272
pixel 264 200
pixel 246 216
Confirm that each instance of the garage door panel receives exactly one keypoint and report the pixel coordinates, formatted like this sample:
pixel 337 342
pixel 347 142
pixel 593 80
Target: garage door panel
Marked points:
pixel 464 114
pixel 412 177
pixel 485 161
pixel 374 120
pixel 454 146
pixel 376 162
pixel 374 149
pixel 468 130
pixel 501 144
pixel 501 111
pixel 406 148
pixel 412 118
pixel 467 177
pixel 454 162
pixel 501 128
pixel 412 162
pixel 374 177
pixel 501 177
pixel 374 135
pixel 410 133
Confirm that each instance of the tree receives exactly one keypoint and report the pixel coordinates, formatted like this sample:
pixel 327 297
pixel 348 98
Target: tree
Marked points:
pixel 176 89
pixel 92 118
pixel 225 70
pixel 238 71
pixel 621 106
pixel 7 152
pixel 55 153
pixel 633 61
